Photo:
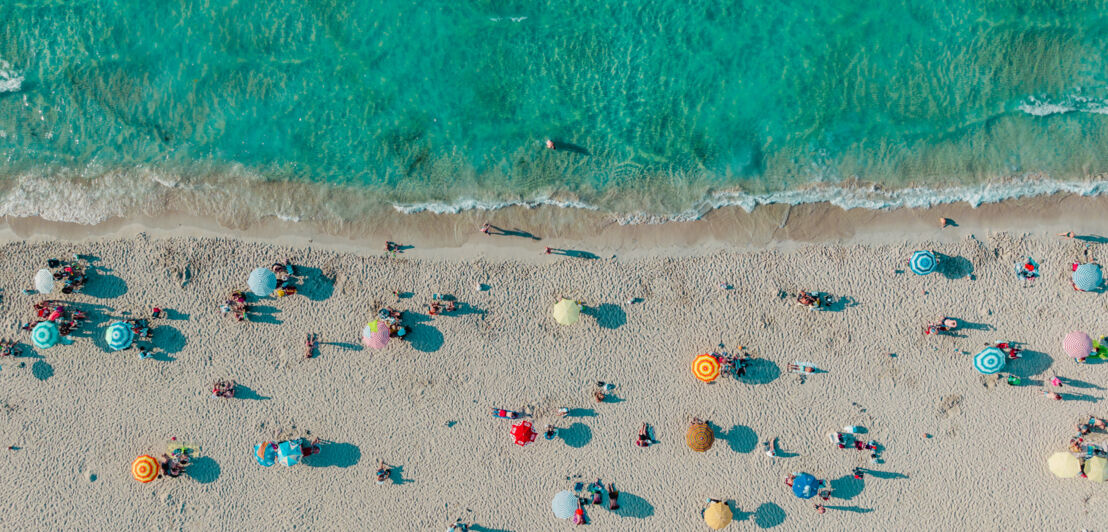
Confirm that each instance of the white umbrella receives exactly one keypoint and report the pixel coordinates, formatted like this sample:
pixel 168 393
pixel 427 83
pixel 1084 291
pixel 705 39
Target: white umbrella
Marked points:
pixel 44 281
pixel 564 504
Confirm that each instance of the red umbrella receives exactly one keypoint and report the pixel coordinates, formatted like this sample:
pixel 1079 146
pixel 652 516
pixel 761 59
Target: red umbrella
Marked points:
pixel 522 433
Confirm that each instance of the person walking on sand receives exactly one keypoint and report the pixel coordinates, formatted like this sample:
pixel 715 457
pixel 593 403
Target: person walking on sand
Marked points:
pixel 1052 395
pixel 485 228
pixel 1068 234
pixel 820 508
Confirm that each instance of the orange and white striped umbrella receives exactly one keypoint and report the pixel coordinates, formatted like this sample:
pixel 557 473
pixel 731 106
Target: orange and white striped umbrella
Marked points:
pixel 145 468
pixel 706 368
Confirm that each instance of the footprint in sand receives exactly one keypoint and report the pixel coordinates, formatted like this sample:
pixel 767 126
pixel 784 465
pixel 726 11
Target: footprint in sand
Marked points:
pixel 950 405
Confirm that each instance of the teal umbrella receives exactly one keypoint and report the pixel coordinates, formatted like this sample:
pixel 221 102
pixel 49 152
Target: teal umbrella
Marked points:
pixel 119 336
pixel 45 335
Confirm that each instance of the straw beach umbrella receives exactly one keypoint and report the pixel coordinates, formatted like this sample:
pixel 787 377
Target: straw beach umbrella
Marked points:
pixel 45 335
pixel 1077 344
pixel 265 453
pixel 923 262
pixel 805 486
pixel 1088 277
pixel 44 281
pixel 375 335
pixel 567 311
pixel 717 515
pixel 262 282
pixel 145 468
pixel 1064 465
pixel 706 368
pixel 119 336
pixel 990 360
pixel 564 504
pixel 1096 469
pixel 700 436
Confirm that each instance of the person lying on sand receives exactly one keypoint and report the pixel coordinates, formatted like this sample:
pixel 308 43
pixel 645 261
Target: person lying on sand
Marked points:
pixel 644 439
pixel 309 448
pixel 551 432
pixel 383 472
pixel 807 300
pixel 310 345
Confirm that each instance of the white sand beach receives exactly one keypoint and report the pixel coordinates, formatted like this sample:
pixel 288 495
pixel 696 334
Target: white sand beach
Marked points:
pixel 74 416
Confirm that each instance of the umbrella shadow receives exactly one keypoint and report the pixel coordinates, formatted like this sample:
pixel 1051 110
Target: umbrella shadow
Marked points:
pixel 1032 363
pixel 263 314
pixel 607 315
pixel 103 285
pixel 761 371
pixel 954 267
pixel 847 487
pixel 204 470
pixel 631 505
pixel 335 455
pixel 421 336
pixel 769 515
pixel 168 339
pixel 314 284
pixel 576 435
pixel 42 370
pixel 740 438
pixel 245 393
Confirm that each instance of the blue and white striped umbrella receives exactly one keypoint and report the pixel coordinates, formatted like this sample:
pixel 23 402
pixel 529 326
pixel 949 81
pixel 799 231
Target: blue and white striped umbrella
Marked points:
pixel 119 336
pixel 990 360
pixel 45 335
pixel 923 262
pixel 262 282
pixel 1088 277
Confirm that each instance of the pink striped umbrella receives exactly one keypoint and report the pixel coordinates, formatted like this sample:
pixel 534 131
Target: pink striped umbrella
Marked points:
pixel 1077 344
pixel 375 334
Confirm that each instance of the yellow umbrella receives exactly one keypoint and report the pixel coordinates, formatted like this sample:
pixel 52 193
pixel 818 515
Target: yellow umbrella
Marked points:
pixel 567 312
pixel 718 515
pixel 706 368
pixel 1096 468
pixel 145 468
pixel 1064 465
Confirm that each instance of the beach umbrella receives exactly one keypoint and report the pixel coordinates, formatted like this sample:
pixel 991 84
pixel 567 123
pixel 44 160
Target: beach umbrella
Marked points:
pixel 289 453
pixel 805 486
pixel 923 262
pixel 567 312
pixel 44 281
pixel 564 504
pixel 119 336
pixel 522 433
pixel 1064 464
pixel 375 334
pixel 1088 277
pixel 699 437
pixel 1096 469
pixel 262 282
pixel 990 360
pixel 265 453
pixel 45 335
pixel 1077 344
pixel 717 515
pixel 145 468
pixel 706 368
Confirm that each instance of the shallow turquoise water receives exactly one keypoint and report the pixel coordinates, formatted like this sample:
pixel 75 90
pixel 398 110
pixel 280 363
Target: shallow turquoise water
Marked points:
pixel 269 106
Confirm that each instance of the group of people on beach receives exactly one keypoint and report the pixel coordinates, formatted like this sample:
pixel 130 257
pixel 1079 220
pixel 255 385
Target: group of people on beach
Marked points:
pixel 67 319
pixel 72 275
pixel 394 318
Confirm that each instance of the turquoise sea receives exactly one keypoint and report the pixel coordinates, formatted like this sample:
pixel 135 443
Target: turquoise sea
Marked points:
pixel 325 110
